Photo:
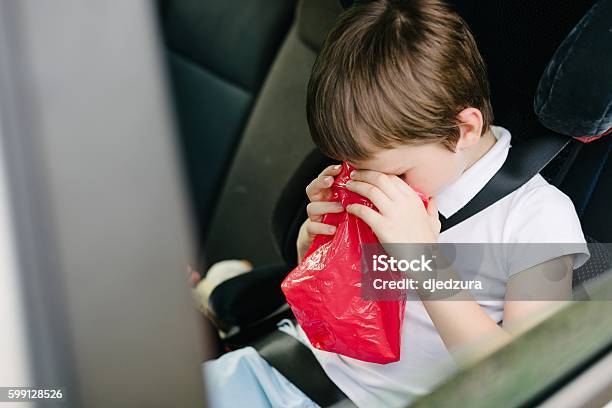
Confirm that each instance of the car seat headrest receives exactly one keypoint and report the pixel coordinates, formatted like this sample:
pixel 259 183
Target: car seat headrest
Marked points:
pixel 574 96
pixel 517 40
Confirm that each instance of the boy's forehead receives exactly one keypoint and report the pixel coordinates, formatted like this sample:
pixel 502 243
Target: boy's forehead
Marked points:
pixel 394 160
pixel 363 164
pixel 381 161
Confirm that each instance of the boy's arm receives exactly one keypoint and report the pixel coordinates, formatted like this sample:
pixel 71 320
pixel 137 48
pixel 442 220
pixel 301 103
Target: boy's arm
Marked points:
pixel 461 322
pixel 548 285
pixel 468 331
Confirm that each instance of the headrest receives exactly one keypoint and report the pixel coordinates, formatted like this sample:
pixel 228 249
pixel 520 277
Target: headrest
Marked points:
pixel 517 40
pixel 209 35
pixel 574 96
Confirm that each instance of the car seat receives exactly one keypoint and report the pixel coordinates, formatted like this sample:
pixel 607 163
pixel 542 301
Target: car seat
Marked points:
pixel 517 56
pixel 275 142
pixel 218 54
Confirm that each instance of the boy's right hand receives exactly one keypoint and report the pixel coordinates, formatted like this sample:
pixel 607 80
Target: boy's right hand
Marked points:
pixel 318 192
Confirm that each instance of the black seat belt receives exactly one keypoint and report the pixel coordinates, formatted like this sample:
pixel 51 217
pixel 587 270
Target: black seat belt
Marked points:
pixel 524 161
pixel 296 362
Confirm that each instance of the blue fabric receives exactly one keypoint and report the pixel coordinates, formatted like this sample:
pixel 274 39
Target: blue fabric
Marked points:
pixel 242 378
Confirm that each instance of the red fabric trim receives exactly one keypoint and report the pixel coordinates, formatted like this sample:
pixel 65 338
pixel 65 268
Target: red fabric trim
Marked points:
pixel 589 139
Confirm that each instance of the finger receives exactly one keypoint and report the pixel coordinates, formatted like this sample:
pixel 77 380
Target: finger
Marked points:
pixel 317 209
pixel 380 180
pixel 432 208
pixel 432 211
pixel 401 185
pixel 371 192
pixel 409 191
pixel 405 187
pixel 332 170
pixel 319 228
pixel 318 189
pixel 368 215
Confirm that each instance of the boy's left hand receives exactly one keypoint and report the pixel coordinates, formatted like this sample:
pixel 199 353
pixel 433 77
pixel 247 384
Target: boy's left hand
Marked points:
pixel 402 217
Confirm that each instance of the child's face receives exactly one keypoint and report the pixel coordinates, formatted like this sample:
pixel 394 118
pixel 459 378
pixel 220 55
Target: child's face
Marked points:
pixel 431 167
pixel 428 167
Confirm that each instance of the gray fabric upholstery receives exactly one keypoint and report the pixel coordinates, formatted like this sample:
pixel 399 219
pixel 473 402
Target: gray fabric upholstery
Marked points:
pixel 275 142
pixel 211 114
pixel 241 224
pixel 235 40
pixel 218 54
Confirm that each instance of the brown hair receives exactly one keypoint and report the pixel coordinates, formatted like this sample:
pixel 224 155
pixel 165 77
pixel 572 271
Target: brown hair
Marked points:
pixel 395 72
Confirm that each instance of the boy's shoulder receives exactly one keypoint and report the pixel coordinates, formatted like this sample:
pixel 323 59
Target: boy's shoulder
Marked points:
pixel 540 193
pixel 540 212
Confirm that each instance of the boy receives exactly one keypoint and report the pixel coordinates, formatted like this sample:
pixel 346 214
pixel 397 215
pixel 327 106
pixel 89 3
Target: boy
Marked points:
pixel 400 92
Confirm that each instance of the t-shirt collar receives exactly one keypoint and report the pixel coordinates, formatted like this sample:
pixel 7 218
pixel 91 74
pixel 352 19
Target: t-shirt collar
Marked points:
pixel 456 195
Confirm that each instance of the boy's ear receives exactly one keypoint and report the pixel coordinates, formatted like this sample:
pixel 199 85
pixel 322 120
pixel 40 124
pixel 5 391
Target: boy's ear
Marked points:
pixel 470 128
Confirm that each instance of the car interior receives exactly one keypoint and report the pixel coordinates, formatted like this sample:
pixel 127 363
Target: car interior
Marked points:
pixel 239 92
pixel 136 137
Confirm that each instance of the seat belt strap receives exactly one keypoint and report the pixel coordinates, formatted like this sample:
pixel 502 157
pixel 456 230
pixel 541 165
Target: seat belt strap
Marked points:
pixel 298 364
pixel 524 161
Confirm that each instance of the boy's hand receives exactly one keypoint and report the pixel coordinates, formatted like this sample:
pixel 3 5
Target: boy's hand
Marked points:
pixel 318 192
pixel 402 218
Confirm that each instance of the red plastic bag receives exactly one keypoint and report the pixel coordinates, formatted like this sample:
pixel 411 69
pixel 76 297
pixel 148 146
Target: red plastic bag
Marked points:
pixel 324 291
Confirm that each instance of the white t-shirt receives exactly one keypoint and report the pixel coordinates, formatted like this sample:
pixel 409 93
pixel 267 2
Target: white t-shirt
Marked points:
pixel 537 212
